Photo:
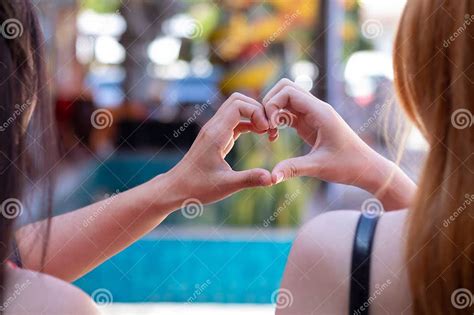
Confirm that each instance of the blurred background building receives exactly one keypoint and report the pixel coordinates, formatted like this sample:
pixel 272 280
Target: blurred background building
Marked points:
pixel 135 80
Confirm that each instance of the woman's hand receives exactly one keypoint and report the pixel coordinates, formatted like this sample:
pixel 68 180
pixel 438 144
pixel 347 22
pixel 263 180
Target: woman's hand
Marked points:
pixel 120 220
pixel 203 174
pixel 337 153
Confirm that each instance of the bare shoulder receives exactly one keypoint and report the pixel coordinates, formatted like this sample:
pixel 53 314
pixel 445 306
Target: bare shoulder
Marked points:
pixel 317 274
pixel 389 277
pixel 29 292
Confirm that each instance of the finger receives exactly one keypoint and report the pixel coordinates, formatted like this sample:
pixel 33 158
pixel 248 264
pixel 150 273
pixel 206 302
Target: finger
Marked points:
pixel 221 126
pixel 256 114
pixel 245 98
pixel 249 178
pixel 239 97
pixel 244 127
pixel 273 135
pixel 294 167
pixel 282 118
pixel 233 115
pixel 229 146
pixel 292 101
pixel 279 86
pixel 273 138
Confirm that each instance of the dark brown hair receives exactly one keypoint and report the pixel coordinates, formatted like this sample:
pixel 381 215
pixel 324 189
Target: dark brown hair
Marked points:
pixel 434 77
pixel 28 146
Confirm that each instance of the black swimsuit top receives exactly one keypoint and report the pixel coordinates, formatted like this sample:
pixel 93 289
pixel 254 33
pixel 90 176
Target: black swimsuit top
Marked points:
pixel 360 267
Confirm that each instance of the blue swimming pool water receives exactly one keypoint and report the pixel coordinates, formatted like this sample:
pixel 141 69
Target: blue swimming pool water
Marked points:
pixel 176 270
pixel 167 265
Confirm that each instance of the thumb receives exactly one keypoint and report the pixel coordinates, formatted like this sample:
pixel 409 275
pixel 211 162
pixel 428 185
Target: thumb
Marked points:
pixel 250 178
pixel 290 168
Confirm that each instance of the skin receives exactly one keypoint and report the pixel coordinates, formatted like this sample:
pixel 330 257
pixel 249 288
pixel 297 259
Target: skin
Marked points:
pixel 75 248
pixel 317 273
pixel 318 269
pixel 37 293
pixel 337 155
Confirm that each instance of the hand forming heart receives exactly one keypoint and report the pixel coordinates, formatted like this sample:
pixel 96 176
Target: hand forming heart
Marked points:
pixel 203 173
pixel 337 153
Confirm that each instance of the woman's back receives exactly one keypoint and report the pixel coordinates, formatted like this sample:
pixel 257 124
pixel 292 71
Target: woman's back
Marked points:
pixel 318 273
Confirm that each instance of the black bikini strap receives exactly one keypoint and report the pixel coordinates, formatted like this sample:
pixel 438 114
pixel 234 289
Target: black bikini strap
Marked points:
pixel 360 269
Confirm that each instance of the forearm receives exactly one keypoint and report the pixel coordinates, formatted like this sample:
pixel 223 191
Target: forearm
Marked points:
pixel 388 183
pixel 82 239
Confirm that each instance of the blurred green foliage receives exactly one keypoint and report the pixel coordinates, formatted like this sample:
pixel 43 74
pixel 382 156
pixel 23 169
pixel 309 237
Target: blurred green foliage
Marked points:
pixel 357 41
pixel 281 205
pixel 102 6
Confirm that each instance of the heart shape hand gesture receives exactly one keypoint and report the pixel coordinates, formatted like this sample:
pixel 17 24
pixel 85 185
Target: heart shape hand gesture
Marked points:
pixel 337 153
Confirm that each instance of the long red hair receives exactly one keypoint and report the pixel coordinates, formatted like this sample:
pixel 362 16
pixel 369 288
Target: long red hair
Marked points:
pixel 434 79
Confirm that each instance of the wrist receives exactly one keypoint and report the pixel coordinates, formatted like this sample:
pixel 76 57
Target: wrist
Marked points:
pixel 376 173
pixel 165 192
pixel 388 183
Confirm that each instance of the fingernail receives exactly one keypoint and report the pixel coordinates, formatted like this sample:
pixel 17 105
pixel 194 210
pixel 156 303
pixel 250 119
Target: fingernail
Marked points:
pixel 279 178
